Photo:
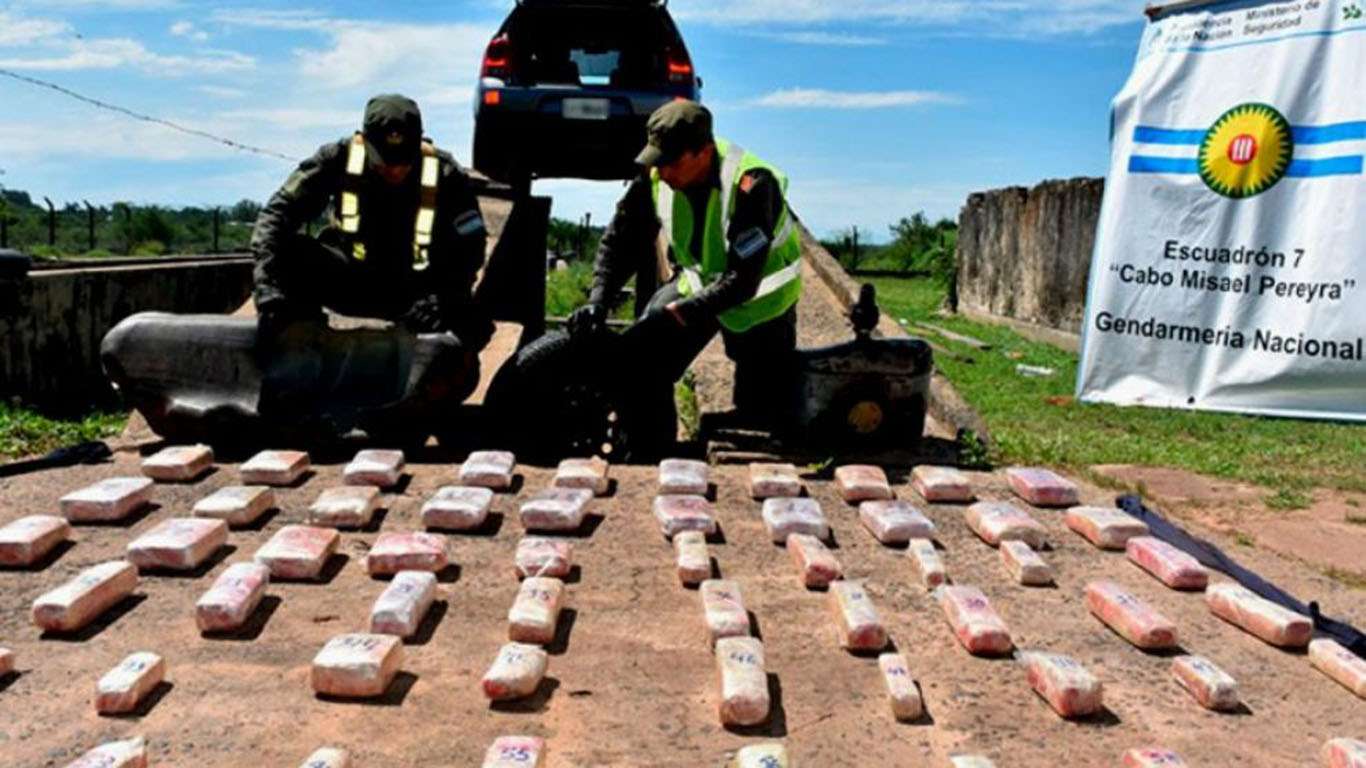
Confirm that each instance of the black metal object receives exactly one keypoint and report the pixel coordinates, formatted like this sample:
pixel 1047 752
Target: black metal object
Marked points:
pixel 208 378
pixel 82 453
pixel 51 222
pixel 90 224
pixel 13 264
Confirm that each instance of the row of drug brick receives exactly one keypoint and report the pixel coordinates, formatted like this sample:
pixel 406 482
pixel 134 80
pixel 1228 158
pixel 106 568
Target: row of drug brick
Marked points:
pixel 530 752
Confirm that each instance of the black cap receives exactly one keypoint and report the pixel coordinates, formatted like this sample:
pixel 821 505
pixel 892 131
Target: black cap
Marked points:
pixel 677 127
pixel 393 129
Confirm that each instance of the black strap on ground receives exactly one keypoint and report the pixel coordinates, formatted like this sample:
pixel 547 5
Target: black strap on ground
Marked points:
pixel 1213 557
pixel 83 453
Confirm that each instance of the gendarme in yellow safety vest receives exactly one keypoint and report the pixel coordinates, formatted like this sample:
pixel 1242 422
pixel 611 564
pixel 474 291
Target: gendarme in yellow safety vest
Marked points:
pixel 349 214
pixel 782 283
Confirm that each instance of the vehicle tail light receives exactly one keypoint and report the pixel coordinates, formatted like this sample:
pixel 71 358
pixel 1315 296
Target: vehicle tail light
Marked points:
pixel 498 57
pixel 680 66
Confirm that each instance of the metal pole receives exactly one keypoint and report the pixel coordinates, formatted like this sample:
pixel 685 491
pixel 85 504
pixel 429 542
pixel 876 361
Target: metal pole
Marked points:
pixel 215 230
pixel 4 230
pixel 127 229
pixel 51 222
pixel 90 220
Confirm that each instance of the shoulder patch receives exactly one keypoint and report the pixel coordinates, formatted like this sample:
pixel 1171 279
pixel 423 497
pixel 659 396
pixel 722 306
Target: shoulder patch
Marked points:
pixel 747 182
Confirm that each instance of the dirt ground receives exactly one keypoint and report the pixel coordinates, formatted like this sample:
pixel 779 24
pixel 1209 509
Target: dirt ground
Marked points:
pixel 631 679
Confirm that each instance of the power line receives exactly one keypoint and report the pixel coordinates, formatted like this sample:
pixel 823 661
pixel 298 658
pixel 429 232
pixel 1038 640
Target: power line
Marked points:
pixel 237 145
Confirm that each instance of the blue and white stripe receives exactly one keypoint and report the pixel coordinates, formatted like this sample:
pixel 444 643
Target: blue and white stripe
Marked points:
pixel 1320 150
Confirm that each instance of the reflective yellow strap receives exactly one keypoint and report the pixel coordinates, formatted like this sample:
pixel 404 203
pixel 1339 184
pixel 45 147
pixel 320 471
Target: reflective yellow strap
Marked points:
pixel 426 217
pixel 419 258
pixel 350 213
pixel 431 170
pixel 358 251
pixel 355 158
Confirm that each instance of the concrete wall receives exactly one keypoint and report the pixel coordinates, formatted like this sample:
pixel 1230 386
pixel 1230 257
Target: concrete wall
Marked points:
pixel 1024 255
pixel 52 321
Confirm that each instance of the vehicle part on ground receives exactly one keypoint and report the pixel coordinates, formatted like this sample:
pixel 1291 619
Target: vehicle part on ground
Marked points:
pixel 207 378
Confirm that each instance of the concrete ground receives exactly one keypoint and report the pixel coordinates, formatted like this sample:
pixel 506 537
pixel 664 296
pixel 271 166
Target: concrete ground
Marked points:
pixel 631 679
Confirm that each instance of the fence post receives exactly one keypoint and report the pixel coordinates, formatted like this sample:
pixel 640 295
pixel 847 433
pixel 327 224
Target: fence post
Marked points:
pixel 4 230
pixel 90 220
pixel 215 230
pixel 51 222
pixel 127 229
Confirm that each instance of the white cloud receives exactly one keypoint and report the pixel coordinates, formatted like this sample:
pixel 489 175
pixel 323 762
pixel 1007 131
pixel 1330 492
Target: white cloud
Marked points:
pixel 294 19
pixel 410 57
pixel 978 17
pixel 188 29
pixel 825 38
pixel 222 91
pixel 113 53
pixel 817 98
pixel 17 31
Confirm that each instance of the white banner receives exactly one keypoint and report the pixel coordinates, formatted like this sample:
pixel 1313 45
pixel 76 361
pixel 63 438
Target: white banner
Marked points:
pixel 1230 265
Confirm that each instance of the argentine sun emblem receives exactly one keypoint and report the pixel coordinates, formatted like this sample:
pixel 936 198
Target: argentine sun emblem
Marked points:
pixel 1246 151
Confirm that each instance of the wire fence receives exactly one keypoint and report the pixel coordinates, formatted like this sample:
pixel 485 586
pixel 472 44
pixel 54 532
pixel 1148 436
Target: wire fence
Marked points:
pixel 43 229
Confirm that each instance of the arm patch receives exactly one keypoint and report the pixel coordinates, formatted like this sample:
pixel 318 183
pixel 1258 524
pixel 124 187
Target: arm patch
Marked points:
pixel 469 223
pixel 751 243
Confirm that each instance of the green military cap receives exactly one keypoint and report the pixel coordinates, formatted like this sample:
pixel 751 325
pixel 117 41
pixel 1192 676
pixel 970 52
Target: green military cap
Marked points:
pixel 393 129
pixel 677 127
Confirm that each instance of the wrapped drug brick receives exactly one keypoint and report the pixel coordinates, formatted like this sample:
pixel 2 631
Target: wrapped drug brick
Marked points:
pixel 539 556
pixel 488 469
pixel 1344 753
pixel 298 551
pixel 724 609
pixel 516 672
pixel 1152 757
pixel 815 562
pixel 1209 685
pixel 971 761
pixel 414 551
pixel 683 477
pixel 859 626
pixel 274 468
pixel 6 661
pixel 1330 658
pixel 1025 565
pixel 457 508
pixel 902 691
pixel 347 506
pixel 515 752
pixel 357 666
pixel 771 481
pixel 1105 527
pixel 380 468
pixel 762 756
pixel 1168 564
pixel 236 505
pixel 131 753
pixel 895 522
pixel 583 473
pixel 29 539
pixel 78 602
pixel 1042 487
pixel 1064 683
pixel 862 482
pixel 744 681
pixel 327 757
pixel 1130 617
pixel 692 558
pixel 401 607
pixel 998 521
pixel 929 566
pixel 178 544
pixel 976 625
pixel 942 485
pixel 124 687
pixel 786 516
pixel 108 500
pixel 684 513
pixel 178 464
pixel 1259 617
pixel 235 594
pixel 556 509
pixel 536 611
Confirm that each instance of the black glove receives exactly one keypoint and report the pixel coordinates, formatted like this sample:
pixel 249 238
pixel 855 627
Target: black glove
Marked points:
pixel 589 319
pixel 424 316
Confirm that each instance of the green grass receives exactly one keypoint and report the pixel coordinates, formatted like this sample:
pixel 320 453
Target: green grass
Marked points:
pixel 1037 420
pixel 685 399
pixel 25 432
pixel 567 289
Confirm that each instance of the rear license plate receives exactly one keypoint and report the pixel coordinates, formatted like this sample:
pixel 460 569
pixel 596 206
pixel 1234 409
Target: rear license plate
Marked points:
pixel 587 109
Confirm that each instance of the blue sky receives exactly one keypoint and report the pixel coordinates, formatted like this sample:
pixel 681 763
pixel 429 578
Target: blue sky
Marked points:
pixel 875 108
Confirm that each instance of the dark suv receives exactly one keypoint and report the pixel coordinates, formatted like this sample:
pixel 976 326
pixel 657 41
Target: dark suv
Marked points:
pixel 567 85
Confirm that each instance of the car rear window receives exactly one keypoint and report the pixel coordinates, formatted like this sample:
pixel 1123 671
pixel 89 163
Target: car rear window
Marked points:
pixel 623 48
